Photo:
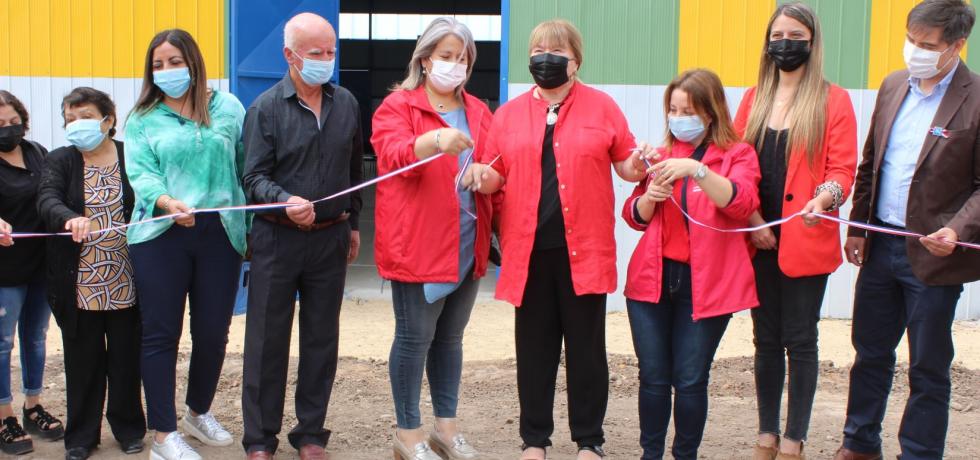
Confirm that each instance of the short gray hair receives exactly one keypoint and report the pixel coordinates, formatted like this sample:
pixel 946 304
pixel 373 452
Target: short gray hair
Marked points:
pixel 955 17
pixel 438 29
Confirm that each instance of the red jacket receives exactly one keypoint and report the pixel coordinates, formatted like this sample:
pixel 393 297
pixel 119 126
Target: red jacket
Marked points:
pixel 590 135
pixel 722 278
pixel 417 212
pixel 807 251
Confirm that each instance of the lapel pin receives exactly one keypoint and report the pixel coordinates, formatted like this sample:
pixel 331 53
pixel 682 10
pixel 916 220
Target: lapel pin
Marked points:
pixel 938 131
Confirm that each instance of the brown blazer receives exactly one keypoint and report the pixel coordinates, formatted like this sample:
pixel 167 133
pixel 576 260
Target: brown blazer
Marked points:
pixel 945 190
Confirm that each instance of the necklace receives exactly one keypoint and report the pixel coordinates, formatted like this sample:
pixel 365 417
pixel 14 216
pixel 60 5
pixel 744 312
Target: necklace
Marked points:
pixel 432 100
pixel 552 114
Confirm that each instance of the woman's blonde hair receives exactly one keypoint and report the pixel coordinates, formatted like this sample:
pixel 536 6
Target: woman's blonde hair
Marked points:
pixel 706 95
pixel 438 29
pixel 557 32
pixel 808 106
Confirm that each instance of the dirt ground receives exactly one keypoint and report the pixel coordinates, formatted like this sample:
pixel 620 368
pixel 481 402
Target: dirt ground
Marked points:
pixel 362 419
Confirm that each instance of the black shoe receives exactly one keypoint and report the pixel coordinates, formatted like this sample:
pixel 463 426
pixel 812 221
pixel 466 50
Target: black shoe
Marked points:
pixel 43 425
pixel 78 453
pixel 594 449
pixel 9 433
pixel 132 446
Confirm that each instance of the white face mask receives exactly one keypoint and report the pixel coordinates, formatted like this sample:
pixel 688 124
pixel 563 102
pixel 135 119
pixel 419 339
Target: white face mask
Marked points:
pixel 446 76
pixel 923 63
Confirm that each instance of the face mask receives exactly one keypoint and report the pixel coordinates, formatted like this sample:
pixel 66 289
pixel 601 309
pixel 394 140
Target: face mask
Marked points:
pixel 86 135
pixel 173 82
pixel 10 137
pixel 446 76
pixel 922 63
pixel 789 55
pixel 549 70
pixel 315 72
pixel 686 129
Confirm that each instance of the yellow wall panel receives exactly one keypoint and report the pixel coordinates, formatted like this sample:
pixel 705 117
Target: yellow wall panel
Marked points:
pixel 725 36
pixel 102 38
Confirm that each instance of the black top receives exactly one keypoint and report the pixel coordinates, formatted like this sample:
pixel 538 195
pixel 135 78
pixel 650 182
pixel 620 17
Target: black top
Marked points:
pixel 772 163
pixel 550 233
pixel 60 199
pixel 20 263
pixel 288 153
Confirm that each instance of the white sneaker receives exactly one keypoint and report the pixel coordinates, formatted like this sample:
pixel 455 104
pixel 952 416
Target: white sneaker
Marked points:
pixel 173 448
pixel 206 429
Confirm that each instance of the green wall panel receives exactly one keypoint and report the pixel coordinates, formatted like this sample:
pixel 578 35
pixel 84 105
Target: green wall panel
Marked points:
pixel 846 26
pixel 973 49
pixel 626 41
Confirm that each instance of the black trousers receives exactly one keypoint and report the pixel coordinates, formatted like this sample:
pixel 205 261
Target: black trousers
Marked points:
pixel 285 260
pixel 550 312
pixel 785 325
pixel 105 349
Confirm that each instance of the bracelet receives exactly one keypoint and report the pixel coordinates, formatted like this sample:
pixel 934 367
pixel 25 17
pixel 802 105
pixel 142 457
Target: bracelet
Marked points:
pixel 438 131
pixel 836 191
pixel 166 204
pixel 701 172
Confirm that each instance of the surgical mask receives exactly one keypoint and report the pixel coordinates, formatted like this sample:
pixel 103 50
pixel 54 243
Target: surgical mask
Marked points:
pixel 686 129
pixel 446 76
pixel 316 72
pixel 549 70
pixel 922 63
pixel 173 82
pixel 10 137
pixel 788 55
pixel 85 135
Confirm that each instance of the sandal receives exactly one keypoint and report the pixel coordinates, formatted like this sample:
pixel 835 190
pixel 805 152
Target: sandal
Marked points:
pixel 42 424
pixel 525 447
pixel 10 438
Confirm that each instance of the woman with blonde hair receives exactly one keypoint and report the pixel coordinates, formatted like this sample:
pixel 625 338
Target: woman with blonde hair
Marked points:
pixel 434 281
pixel 554 147
pixel 804 130
pixel 684 281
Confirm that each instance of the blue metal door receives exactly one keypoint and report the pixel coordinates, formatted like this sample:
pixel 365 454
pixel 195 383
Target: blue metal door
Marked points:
pixel 256 43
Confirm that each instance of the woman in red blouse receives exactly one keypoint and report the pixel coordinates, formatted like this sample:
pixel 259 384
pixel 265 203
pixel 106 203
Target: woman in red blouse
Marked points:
pixel 684 281
pixel 551 150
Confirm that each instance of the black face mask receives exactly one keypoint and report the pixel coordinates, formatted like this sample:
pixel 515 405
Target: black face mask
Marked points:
pixel 788 54
pixel 10 137
pixel 549 70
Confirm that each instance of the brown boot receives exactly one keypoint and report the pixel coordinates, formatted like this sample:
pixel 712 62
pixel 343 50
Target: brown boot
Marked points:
pixel 800 456
pixel 764 453
pixel 847 454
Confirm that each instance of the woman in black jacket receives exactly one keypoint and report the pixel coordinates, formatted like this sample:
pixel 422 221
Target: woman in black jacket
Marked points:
pixel 91 290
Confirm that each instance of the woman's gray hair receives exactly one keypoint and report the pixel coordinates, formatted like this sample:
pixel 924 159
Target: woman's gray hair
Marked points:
pixel 426 45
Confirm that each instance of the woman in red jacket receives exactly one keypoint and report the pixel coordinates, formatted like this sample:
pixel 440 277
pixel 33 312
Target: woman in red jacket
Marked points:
pixel 552 149
pixel 804 130
pixel 684 281
pixel 433 237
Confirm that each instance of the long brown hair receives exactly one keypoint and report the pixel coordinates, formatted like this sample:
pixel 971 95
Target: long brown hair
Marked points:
pixel 809 104
pixel 198 93
pixel 706 95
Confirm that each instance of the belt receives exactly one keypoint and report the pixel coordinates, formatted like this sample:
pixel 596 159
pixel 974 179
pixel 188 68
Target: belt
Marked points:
pixel 287 222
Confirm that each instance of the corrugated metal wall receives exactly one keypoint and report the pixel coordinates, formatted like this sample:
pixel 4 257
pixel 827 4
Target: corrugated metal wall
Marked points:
pixel 48 47
pixel 633 48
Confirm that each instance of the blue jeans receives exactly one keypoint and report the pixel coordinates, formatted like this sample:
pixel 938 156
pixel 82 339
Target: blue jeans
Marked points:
pixel 430 337
pixel 676 352
pixel 25 307
pixel 889 300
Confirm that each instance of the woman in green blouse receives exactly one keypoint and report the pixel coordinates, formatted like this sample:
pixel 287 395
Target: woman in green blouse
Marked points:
pixel 183 152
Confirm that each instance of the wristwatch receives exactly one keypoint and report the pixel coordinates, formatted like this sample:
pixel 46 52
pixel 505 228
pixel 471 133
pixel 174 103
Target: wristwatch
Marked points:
pixel 701 172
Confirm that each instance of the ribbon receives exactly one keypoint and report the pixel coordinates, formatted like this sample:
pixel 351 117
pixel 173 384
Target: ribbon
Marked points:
pixel 849 223
pixel 242 208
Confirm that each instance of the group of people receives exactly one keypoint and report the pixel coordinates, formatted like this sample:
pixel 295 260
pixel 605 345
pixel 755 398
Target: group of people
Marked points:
pixel 538 173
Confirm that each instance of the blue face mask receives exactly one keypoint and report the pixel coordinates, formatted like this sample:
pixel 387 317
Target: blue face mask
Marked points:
pixel 173 82
pixel 686 129
pixel 316 72
pixel 85 135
